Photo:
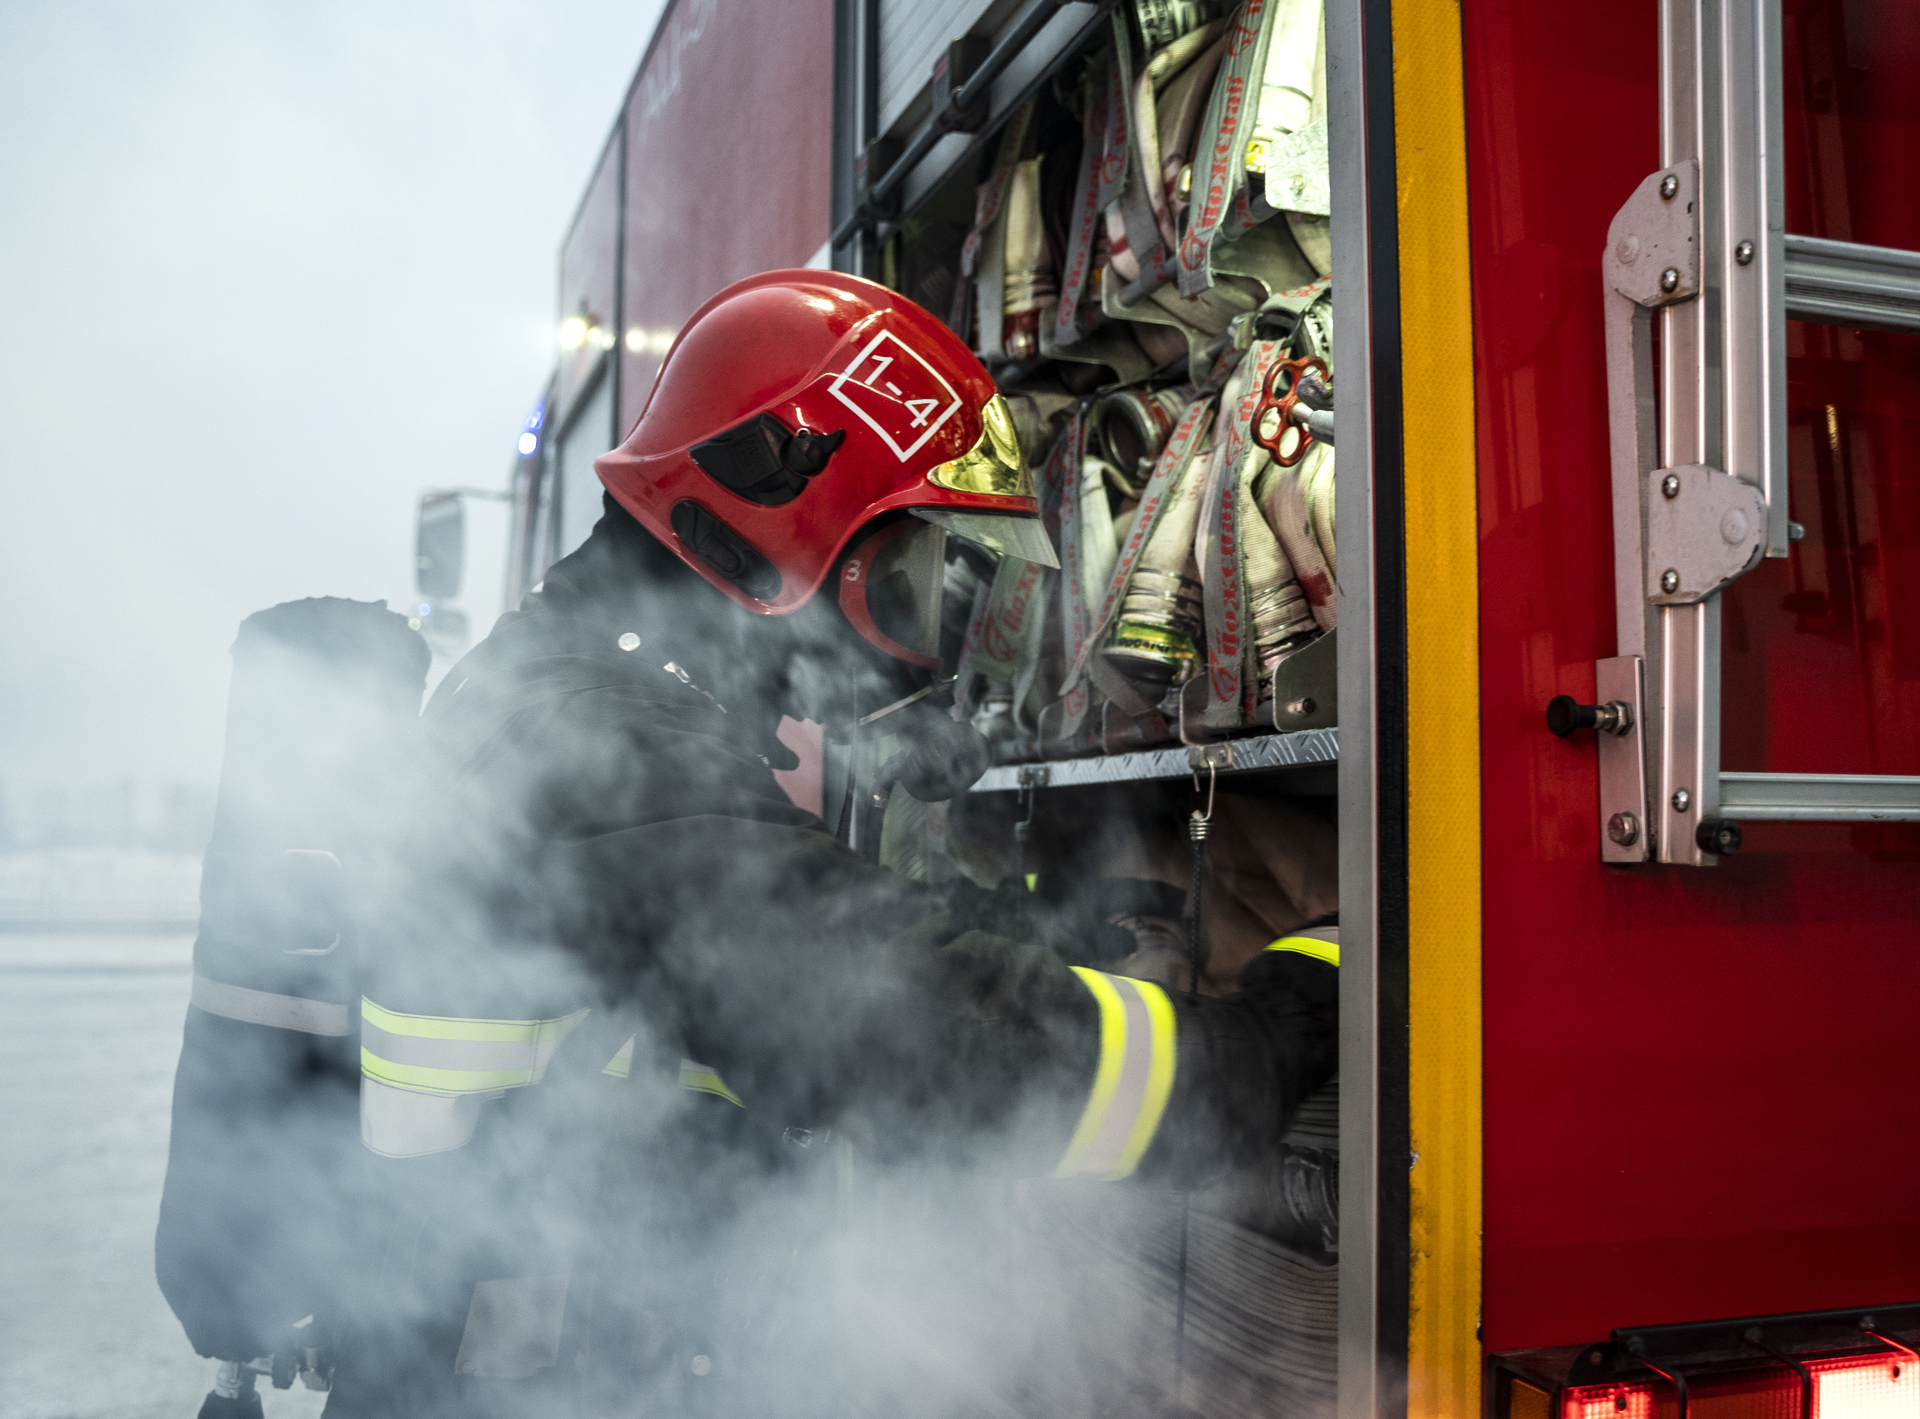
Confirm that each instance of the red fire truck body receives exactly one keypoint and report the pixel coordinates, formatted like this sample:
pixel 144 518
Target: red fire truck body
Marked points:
pixel 716 168
pixel 1699 1083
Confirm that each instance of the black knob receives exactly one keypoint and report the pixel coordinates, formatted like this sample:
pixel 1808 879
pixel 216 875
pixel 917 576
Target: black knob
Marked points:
pixel 1566 714
pixel 1717 835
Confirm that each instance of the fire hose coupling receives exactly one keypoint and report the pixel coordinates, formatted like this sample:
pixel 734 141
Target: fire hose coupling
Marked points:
pixel 1566 714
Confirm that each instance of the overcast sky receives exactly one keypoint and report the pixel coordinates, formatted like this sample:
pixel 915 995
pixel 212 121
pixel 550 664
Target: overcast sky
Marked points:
pixel 266 271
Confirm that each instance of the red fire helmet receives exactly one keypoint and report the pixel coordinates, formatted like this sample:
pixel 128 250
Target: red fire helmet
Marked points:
pixel 797 406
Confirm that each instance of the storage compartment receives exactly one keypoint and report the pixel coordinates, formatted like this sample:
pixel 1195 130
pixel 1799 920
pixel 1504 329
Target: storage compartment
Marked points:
pixel 1139 250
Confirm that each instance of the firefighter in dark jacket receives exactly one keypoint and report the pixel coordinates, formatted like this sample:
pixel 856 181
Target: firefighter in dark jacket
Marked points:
pixel 604 918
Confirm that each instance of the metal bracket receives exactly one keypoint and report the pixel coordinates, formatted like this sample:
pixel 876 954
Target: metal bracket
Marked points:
pixel 1033 776
pixel 1663 558
pixel 1703 530
pixel 1625 833
pixel 1653 242
pixel 1652 260
pixel 1210 756
pixel 1306 685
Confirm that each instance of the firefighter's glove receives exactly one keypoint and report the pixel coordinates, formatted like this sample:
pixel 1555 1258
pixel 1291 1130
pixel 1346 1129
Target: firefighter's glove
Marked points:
pixel 1247 1062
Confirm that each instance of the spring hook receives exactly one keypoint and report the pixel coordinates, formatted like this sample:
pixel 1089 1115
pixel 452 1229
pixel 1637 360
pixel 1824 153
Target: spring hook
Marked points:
pixel 1198 825
pixel 1029 798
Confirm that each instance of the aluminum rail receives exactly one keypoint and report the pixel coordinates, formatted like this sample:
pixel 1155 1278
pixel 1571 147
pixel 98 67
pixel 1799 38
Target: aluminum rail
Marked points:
pixel 1842 283
pixel 1299 749
pixel 948 121
pixel 1819 798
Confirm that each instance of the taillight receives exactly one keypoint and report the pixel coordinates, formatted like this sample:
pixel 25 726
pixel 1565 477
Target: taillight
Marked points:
pixel 1866 1387
pixel 1607 1402
pixel 1811 1365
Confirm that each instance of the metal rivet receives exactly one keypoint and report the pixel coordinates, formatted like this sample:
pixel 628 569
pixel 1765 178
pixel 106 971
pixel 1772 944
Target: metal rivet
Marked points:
pixel 1669 581
pixel 1743 253
pixel 1682 800
pixel 1670 280
pixel 1669 187
pixel 1670 486
pixel 1795 531
pixel 1624 829
pixel 628 641
pixel 701 1365
pixel 1303 706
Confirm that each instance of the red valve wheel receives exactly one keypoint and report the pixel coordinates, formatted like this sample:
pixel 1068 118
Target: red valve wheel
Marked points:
pixel 1284 405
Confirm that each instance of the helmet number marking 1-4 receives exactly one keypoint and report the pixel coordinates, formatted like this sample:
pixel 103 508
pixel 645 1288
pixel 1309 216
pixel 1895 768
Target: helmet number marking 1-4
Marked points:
pixel 896 393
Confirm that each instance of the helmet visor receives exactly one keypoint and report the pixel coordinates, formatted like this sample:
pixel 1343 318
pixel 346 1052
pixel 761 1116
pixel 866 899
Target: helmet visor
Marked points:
pixel 1006 534
pixel 890 589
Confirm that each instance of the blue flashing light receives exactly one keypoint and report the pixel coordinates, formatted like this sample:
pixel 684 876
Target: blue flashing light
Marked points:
pixel 529 441
pixel 537 417
pixel 425 609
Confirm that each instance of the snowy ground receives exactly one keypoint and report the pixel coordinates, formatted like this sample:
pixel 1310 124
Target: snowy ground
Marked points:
pixel 89 1029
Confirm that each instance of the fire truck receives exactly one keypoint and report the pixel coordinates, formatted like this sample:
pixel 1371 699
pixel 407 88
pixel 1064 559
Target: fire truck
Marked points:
pixel 1613 712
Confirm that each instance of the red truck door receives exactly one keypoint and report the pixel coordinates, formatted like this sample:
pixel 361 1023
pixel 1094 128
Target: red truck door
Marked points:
pixel 1700 1065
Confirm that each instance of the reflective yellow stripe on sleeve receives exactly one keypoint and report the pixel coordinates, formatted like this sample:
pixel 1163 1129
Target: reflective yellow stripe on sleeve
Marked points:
pixel 621 1065
pixel 435 1054
pixel 696 1078
pixel 705 1079
pixel 1328 951
pixel 1132 1082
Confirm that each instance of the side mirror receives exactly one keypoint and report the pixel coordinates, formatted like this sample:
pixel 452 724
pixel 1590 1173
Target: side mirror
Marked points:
pixel 440 545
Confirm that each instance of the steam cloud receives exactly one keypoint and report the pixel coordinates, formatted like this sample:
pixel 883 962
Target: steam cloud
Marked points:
pixel 571 828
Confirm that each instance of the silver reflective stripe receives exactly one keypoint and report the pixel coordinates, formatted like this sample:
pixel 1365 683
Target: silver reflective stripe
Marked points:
pixel 400 1123
pixel 441 1054
pixel 478 1056
pixel 259 1007
pixel 513 1327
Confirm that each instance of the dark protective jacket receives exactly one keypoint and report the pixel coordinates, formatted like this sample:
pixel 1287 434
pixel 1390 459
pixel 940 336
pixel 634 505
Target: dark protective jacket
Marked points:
pixel 614 965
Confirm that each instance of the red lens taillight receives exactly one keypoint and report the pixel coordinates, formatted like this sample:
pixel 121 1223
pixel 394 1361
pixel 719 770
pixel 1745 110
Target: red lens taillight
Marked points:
pixel 1866 1387
pixel 1607 1402
pixel 1878 1386
pixel 1861 1363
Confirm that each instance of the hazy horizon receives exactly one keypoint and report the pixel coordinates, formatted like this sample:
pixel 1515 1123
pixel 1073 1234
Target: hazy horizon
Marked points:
pixel 270 272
